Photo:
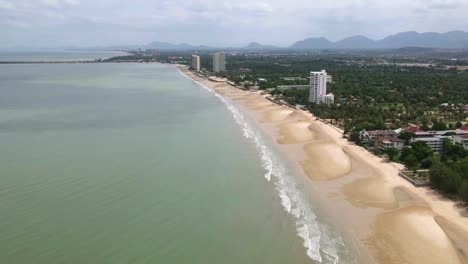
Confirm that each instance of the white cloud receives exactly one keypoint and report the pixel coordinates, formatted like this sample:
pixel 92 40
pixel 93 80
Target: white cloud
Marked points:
pixel 51 3
pixel 6 5
pixel 229 22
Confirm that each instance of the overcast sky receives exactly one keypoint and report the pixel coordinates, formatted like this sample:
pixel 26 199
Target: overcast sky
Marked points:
pixel 218 23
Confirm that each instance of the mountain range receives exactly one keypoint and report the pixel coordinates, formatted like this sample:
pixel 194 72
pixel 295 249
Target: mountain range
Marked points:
pixel 448 40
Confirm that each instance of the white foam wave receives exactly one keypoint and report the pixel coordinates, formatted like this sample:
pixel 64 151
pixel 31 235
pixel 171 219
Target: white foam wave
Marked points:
pixel 319 245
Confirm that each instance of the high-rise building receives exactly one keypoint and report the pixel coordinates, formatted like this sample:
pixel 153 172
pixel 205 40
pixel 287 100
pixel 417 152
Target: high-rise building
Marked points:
pixel 318 88
pixel 196 62
pixel 318 85
pixel 219 62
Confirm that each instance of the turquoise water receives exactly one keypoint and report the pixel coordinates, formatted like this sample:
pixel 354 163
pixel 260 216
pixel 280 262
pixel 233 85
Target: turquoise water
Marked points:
pixel 135 163
pixel 57 55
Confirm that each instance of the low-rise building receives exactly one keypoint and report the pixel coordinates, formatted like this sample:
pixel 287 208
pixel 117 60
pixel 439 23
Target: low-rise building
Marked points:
pixel 436 143
pixel 394 142
pixel 461 139
pixel 327 99
pixel 439 133
pixel 372 135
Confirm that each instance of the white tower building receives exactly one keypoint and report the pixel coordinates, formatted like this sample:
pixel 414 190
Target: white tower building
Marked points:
pixel 219 62
pixel 196 62
pixel 318 86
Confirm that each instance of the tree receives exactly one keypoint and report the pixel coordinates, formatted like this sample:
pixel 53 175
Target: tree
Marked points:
pixel 391 153
pixel 421 150
pixel 411 162
pixel 451 181
pixel 406 136
pixel 436 174
pixel 439 126
pixel 458 124
pixel 355 137
pixel 463 191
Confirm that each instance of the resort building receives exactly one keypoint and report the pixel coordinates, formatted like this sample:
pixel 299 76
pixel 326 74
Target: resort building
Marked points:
pixel 219 62
pixel 383 143
pixel 329 79
pixel 196 63
pixel 372 135
pixel 318 88
pixel 435 143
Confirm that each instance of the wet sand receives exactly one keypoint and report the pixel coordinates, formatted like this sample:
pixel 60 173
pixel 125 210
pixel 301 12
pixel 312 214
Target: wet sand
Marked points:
pixel 388 219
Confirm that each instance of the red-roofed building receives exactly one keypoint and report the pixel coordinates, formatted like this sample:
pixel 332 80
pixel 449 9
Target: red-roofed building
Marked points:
pixel 465 128
pixel 412 129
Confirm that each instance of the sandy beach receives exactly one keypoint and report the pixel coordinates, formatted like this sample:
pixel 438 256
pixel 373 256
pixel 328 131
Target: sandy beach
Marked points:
pixel 388 219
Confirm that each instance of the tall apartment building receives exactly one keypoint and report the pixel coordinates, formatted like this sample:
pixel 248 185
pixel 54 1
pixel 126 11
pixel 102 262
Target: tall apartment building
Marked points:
pixel 196 62
pixel 318 88
pixel 219 62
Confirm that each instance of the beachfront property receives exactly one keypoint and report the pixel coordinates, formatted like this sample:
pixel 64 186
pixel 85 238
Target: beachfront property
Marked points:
pixel 329 79
pixel 318 88
pixel 219 62
pixel 394 142
pixel 196 63
pixel 368 136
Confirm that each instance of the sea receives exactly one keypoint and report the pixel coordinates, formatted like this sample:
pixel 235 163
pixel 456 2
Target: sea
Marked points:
pixel 136 163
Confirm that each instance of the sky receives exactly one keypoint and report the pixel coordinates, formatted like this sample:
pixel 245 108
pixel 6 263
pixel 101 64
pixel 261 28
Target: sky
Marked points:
pixel 55 23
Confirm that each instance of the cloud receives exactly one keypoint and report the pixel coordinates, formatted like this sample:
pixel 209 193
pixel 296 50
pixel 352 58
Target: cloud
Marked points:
pixel 444 4
pixel 51 3
pixel 6 5
pixel 61 3
pixel 228 22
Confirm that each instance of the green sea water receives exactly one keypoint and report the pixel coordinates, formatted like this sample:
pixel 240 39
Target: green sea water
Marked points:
pixel 134 163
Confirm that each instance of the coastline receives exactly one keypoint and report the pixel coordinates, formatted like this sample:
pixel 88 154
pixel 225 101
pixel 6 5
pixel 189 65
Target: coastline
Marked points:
pixel 388 219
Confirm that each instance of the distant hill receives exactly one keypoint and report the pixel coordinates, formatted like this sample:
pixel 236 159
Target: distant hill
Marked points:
pixel 355 42
pixel 449 40
pixel 312 43
pixel 258 46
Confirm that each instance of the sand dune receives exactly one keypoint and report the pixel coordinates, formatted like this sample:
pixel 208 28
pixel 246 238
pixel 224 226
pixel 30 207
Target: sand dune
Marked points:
pixel 256 101
pixel 373 192
pixel 326 161
pixel 275 115
pixel 295 132
pixel 411 235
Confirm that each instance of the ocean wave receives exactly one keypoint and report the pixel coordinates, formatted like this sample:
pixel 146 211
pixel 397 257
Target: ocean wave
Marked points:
pixel 321 246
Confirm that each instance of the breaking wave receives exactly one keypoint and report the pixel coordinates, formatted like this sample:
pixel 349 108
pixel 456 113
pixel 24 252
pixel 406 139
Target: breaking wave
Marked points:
pixel 320 243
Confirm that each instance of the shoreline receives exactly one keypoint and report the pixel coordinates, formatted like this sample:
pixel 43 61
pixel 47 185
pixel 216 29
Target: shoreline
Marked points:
pixel 387 219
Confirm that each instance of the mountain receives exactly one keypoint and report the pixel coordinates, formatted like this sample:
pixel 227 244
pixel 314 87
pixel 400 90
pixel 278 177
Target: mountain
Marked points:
pixel 355 42
pixel 258 46
pixel 312 43
pixel 449 40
